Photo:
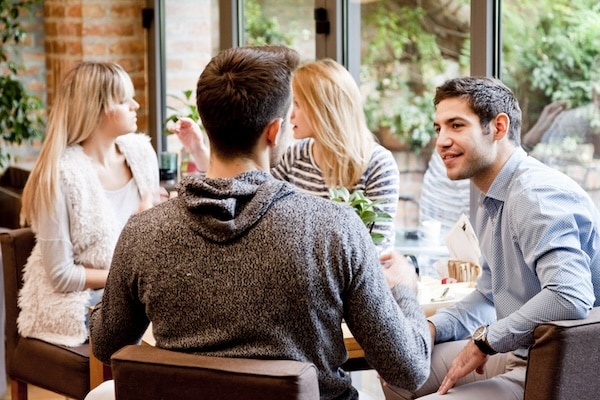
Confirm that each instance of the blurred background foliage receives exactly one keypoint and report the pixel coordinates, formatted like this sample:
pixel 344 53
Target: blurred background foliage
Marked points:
pixel 20 111
pixel 550 52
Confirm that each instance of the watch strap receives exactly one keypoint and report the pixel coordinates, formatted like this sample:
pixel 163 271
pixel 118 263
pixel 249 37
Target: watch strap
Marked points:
pixel 485 347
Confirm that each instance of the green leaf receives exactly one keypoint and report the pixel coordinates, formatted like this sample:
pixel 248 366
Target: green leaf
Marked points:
pixel 366 209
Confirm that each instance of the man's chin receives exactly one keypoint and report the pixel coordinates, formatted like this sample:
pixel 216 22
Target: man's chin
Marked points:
pixel 455 175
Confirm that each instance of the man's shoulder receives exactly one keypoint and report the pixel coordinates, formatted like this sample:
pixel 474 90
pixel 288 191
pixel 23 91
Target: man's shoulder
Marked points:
pixel 532 173
pixel 535 186
pixel 155 219
pixel 327 209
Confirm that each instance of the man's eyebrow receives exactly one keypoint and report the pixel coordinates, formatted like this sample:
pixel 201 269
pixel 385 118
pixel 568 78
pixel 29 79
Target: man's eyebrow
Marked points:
pixel 445 121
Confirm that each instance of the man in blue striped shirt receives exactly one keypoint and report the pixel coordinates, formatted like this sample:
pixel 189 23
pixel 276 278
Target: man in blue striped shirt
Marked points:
pixel 539 234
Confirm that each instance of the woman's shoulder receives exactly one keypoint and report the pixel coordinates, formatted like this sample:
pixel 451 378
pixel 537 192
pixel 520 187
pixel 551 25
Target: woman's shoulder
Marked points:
pixel 73 156
pixel 301 146
pixel 382 155
pixel 137 148
pixel 133 140
pixel 298 150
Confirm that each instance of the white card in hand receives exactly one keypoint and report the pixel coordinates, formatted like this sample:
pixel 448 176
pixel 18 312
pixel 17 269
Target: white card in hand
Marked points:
pixel 462 242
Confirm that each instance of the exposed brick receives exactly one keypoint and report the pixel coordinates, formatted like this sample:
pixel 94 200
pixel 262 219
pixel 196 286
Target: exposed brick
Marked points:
pixel 103 29
pixel 73 10
pixel 125 10
pixel 134 46
pixel 73 47
pixel 69 29
pixel 93 10
pixel 54 8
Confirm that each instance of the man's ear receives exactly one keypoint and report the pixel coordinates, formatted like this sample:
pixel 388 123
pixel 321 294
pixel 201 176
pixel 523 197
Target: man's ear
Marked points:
pixel 501 124
pixel 273 131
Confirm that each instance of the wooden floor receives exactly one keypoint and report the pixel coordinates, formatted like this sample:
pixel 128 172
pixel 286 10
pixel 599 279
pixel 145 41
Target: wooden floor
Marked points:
pixel 367 381
pixel 36 393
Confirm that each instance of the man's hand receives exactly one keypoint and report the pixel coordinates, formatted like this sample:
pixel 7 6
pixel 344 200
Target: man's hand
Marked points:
pixel 468 360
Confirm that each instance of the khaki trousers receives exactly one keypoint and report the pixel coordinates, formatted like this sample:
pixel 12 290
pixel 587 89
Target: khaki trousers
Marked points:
pixel 504 378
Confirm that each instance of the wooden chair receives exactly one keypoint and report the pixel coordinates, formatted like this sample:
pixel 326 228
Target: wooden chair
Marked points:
pixel 63 370
pixel 147 372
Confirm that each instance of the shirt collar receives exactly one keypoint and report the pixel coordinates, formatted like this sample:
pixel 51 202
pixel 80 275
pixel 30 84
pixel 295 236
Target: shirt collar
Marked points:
pixel 499 188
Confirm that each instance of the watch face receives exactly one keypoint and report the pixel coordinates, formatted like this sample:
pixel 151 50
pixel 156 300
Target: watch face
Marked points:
pixel 480 332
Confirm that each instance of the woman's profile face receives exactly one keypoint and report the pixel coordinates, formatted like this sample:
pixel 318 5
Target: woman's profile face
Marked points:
pixel 121 118
pixel 300 124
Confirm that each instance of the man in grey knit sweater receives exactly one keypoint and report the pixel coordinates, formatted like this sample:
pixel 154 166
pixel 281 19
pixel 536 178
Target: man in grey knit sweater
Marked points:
pixel 240 264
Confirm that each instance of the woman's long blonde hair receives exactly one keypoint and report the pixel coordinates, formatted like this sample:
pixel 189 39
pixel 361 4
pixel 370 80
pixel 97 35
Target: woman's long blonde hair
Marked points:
pixel 332 103
pixel 87 92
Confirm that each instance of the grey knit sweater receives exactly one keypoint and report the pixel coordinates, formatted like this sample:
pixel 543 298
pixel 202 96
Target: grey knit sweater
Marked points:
pixel 251 267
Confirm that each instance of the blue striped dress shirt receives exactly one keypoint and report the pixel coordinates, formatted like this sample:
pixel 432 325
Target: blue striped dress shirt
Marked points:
pixel 539 234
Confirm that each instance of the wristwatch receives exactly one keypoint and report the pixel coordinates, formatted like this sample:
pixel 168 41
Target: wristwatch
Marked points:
pixel 480 340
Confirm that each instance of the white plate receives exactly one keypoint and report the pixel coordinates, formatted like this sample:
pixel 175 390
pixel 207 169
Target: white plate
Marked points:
pixel 430 294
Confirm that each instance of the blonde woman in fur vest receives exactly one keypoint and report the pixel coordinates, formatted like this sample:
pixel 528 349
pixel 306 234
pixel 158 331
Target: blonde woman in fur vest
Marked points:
pixel 91 175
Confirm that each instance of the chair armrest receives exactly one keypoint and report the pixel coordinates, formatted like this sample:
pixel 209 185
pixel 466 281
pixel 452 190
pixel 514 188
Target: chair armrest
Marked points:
pixel 564 359
pixel 143 372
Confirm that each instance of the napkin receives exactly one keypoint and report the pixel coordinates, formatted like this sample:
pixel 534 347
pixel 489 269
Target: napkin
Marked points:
pixel 462 242
pixel 463 246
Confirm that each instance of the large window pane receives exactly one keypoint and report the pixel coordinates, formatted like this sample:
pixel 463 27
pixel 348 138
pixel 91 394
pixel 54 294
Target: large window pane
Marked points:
pixel 409 48
pixel 191 39
pixel 286 22
pixel 551 52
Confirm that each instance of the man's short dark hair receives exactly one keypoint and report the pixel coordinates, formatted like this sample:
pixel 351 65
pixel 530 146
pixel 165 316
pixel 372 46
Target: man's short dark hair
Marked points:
pixel 240 91
pixel 487 97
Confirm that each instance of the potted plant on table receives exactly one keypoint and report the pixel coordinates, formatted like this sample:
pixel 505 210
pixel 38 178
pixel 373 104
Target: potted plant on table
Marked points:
pixel 367 210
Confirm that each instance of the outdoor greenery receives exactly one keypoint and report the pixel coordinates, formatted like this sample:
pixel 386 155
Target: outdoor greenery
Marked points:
pixel 552 52
pixel 261 30
pixel 401 65
pixel 181 106
pixel 20 116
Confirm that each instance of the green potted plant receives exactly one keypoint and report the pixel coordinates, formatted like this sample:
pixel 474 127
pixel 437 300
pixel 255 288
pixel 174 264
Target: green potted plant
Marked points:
pixel 20 113
pixel 368 210
pixel 182 106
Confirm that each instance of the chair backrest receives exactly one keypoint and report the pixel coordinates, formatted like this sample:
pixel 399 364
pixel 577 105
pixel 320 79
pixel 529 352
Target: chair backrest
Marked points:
pixel 17 245
pixel 143 372
pixel 564 360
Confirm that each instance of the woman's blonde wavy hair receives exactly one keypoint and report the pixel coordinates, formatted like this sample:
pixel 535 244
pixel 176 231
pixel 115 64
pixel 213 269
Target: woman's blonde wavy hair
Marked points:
pixel 88 92
pixel 332 103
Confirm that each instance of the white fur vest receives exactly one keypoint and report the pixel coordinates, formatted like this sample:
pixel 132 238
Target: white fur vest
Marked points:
pixel 60 317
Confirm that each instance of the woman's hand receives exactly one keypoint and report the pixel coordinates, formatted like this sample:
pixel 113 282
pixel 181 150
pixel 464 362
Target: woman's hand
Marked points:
pixel 191 137
pixel 397 270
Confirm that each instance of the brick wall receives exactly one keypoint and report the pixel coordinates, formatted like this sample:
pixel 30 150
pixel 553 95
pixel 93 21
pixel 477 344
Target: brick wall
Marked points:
pixel 96 30
pixel 63 33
